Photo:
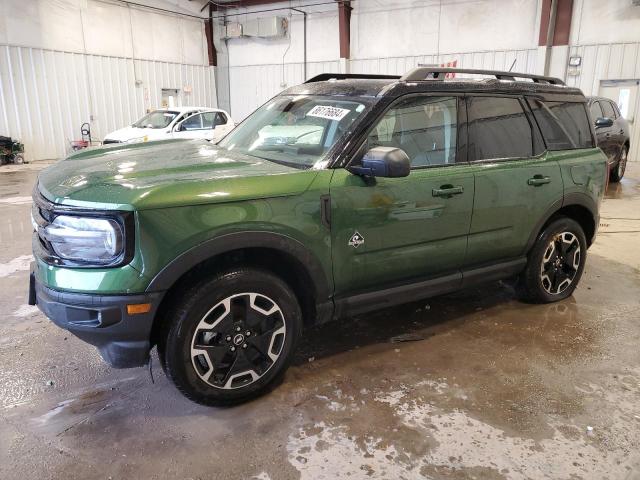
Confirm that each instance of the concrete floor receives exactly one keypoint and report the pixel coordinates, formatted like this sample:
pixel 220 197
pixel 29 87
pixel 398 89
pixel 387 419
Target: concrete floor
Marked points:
pixel 488 387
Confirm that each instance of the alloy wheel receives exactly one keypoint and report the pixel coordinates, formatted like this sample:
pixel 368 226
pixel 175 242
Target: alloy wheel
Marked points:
pixel 238 340
pixel 560 263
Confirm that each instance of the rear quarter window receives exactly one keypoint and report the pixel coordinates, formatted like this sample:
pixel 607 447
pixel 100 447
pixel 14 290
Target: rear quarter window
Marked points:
pixel 564 125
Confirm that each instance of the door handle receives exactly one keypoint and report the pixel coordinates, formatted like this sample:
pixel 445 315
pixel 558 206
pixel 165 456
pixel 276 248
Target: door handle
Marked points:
pixel 447 191
pixel 538 180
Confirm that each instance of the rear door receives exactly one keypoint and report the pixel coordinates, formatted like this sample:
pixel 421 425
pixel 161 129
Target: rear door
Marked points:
pixel 516 182
pixel 395 230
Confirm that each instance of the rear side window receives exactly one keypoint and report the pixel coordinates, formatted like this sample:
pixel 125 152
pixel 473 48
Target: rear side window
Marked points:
pixel 608 110
pixel 564 125
pixel 498 128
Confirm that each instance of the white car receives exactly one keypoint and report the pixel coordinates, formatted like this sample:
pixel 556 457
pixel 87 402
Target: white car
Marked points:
pixel 181 122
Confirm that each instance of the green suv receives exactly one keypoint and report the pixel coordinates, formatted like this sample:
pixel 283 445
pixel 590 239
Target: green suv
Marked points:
pixel 346 194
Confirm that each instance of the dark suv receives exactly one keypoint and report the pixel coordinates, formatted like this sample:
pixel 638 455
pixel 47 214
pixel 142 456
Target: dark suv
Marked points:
pixel 612 134
pixel 343 195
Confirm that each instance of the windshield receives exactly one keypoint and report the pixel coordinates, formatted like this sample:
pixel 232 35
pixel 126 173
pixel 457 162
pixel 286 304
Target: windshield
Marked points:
pixel 294 130
pixel 157 119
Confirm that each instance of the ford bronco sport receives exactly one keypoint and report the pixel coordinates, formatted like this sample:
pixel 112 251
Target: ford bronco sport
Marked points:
pixel 345 194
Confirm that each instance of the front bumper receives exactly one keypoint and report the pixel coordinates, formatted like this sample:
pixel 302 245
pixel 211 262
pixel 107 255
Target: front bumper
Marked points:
pixel 123 340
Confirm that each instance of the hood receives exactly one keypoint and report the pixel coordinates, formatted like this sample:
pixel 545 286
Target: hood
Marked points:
pixel 129 133
pixel 164 174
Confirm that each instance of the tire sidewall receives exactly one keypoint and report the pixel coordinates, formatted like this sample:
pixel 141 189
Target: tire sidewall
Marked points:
pixel 615 175
pixel 198 302
pixel 533 279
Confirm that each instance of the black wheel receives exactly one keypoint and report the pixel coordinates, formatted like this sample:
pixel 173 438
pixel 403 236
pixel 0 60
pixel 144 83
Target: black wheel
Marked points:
pixel 555 263
pixel 617 172
pixel 231 337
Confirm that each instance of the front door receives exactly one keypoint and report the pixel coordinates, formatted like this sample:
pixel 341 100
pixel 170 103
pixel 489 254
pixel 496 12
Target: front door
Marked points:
pixel 393 230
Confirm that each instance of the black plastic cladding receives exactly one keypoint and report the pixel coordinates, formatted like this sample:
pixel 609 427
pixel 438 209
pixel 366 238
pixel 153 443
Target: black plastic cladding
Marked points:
pixel 384 91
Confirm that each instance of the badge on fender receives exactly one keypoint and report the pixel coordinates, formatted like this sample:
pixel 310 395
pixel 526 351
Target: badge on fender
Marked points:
pixel 356 240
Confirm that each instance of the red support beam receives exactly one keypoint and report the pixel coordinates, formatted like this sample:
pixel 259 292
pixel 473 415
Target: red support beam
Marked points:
pixel 563 22
pixel 344 25
pixel 208 30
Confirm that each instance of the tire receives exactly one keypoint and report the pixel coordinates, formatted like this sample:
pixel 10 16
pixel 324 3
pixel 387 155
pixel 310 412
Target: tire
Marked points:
pixel 18 159
pixel 555 263
pixel 618 171
pixel 231 337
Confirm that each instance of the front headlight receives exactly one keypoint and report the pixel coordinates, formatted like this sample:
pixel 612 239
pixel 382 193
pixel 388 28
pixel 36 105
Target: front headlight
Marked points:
pixel 85 239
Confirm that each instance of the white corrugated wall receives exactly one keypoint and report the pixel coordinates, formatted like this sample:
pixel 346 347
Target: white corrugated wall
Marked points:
pixel 491 60
pixel 614 61
pixel 601 62
pixel 252 85
pixel 46 95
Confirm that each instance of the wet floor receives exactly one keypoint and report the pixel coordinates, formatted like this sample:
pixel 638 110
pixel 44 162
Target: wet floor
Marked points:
pixel 470 385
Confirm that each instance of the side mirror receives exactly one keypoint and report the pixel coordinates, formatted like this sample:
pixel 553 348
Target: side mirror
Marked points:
pixel 178 127
pixel 383 162
pixel 603 122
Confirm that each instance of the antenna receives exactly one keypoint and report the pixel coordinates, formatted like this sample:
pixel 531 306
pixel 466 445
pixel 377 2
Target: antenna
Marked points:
pixel 513 64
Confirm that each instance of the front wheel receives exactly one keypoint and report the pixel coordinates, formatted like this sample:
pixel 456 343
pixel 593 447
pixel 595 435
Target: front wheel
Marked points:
pixel 618 171
pixel 231 337
pixel 555 263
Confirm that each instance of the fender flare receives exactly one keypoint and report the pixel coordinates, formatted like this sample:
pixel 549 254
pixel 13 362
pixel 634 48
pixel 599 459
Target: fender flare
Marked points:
pixel 180 265
pixel 574 198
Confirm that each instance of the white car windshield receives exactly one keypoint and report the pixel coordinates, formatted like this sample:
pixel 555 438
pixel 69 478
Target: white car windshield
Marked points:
pixel 295 130
pixel 157 119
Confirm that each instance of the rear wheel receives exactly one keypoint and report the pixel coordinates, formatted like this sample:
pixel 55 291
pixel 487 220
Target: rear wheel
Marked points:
pixel 618 171
pixel 555 262
pixel 231 337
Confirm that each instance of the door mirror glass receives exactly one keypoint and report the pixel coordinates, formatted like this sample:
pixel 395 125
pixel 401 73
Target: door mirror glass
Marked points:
pixel 383 162
pixel 603 122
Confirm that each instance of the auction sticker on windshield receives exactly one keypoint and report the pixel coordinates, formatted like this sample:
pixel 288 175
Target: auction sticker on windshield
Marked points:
pixel 330 113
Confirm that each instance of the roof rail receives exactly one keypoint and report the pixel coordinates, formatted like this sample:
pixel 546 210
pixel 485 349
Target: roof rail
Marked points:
pixel 345 76
pixel 439 73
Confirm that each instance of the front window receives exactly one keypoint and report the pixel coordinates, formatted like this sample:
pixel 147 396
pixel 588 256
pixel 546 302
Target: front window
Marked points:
pixel 157 119
pixel 295 130
pixel 424 127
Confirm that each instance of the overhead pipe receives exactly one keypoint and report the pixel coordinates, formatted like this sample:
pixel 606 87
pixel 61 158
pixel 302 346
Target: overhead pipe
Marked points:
pixel 304 42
